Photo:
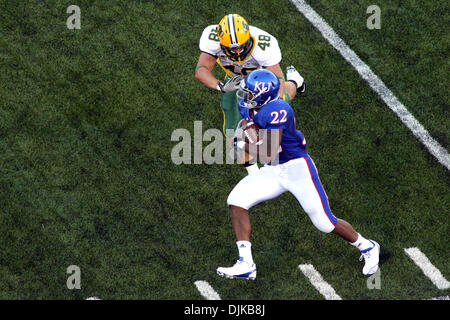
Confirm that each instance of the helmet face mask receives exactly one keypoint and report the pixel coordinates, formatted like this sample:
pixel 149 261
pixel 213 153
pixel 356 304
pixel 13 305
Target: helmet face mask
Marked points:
pixel 239 53
pixel 234 37
pixel 245 94
pixel 258 88
pixel 236 50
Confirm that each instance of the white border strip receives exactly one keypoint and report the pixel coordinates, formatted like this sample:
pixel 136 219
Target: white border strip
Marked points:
pixel 206 290
pixel 428 268
pixel 375 83
pixel 317 281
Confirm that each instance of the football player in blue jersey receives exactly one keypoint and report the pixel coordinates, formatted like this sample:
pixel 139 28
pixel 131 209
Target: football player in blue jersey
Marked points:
pixel 288 167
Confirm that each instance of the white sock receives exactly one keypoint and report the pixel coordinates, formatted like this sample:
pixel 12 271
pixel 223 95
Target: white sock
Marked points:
pixel 362 243
pixel 245 251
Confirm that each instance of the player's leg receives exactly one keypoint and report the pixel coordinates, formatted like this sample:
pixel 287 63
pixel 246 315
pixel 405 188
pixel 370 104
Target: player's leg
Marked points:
pixel 289 91
pixel 240 220
pixel 343 229
pixel 370 249
pixel 231 115
pixel 250 191
pixel 312 197
pixel 298 179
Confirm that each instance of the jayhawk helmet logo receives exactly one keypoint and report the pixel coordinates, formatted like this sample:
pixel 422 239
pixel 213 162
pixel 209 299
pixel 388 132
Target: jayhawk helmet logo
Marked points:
pixel 235 38
pixel 258 88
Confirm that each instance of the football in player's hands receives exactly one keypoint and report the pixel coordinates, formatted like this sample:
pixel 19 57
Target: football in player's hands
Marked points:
pixel 250 132
pixel 247 133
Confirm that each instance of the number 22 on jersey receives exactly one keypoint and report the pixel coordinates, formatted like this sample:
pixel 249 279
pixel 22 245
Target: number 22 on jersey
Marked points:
pixel 278 117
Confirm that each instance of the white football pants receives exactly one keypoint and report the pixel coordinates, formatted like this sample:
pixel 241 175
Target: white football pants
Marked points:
pixel 299 177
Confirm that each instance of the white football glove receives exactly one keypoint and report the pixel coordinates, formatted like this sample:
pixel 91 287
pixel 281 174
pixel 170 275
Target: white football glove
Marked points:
pixel 231 85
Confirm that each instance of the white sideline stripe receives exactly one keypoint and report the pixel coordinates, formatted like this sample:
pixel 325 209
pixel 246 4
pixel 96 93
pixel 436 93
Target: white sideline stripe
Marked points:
pixel 428 268
pixel 375 83
pixel 206 290
pixel 317 281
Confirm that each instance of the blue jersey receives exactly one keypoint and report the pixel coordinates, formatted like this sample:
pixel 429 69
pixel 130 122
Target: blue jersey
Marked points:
pixel 278 114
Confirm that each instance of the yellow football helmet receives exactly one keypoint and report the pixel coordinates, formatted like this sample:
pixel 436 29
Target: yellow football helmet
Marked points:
pixel 235 38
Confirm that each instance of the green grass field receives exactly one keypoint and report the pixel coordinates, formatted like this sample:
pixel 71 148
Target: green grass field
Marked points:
pixel 86 176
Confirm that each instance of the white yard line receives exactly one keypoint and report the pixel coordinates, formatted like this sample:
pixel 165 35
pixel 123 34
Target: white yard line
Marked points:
pixel 206 290
pixel 439 152
pixel 317 281
pixel 428 268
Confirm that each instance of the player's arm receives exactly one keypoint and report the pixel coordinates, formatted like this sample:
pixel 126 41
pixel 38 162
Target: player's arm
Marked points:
pixel 270 144
pixel 276 69
pixel 203 71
